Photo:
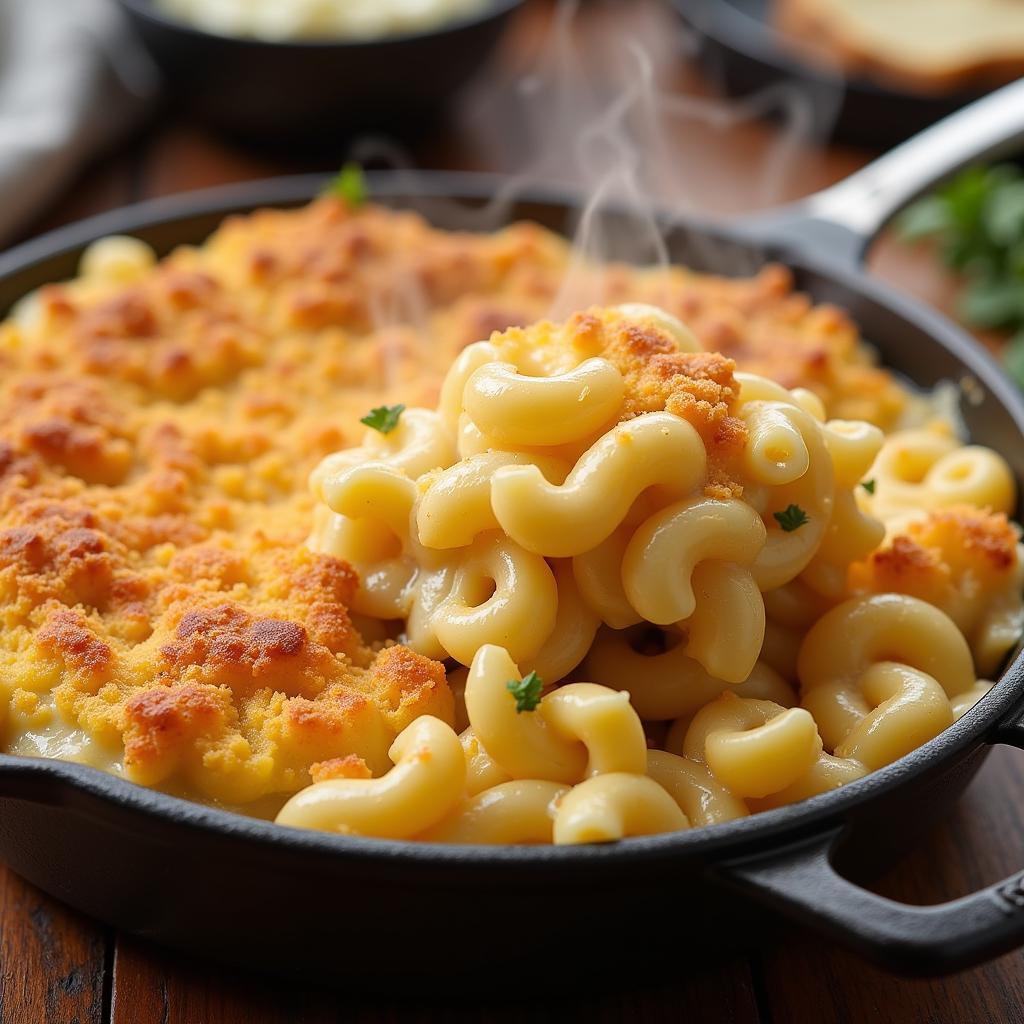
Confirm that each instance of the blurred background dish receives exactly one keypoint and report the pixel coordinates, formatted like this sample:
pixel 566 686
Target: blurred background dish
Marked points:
pixel 931 47
pixel 744 49
pixel 277 20
pixel 312 92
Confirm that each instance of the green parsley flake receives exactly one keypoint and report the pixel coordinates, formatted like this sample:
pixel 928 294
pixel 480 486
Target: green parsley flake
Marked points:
pixel 384 418
pixel 526 691
pixel 791 518
pixel 868 485
pixel 350 185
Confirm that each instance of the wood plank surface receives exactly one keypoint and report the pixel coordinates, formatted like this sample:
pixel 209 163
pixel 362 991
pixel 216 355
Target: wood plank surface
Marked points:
pixel 151 987
pixel 52 960
pixel 57 967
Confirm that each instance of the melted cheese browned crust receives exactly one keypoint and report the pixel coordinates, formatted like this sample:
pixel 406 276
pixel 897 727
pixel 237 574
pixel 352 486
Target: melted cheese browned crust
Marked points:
pixel 964 560
pixel 160 614
pixel 699 387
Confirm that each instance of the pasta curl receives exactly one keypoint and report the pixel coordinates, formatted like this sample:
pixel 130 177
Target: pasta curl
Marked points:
pixel 516 409
pixel 884 667
pixel 518 811
pixel 928 468
pixel 612 807
pixel 559 521
pixel 426 782
pixel 578 731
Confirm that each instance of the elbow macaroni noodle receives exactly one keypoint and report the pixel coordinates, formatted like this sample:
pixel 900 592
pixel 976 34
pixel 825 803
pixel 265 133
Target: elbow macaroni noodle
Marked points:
pixel 562 520
pixel 428 777
pixel 586 515
pixel 516 409
pixel 929 468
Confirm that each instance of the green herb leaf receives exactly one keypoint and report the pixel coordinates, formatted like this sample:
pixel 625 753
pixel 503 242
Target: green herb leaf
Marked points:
pixel 526 691
pixel 868 485
pixel 977 219
pixel 350 185
pixel 926 217
pixel 1013 359
pixel 966 196
pixel 384 418
pixel 791 518
pixel 1003 214
pixel 1015 260
pixel 993 302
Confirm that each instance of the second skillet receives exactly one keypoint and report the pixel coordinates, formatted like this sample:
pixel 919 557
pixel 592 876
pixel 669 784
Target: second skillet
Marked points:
pixel 353 911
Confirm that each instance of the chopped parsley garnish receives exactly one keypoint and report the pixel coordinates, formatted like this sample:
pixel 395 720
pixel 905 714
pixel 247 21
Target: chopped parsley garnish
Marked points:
pixel 349 184
pixel 526 691
pixel 384 418
pixel 868 485
pixel 791 518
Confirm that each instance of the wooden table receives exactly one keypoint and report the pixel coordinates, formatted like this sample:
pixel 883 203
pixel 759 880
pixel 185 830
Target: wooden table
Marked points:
pixel 56 966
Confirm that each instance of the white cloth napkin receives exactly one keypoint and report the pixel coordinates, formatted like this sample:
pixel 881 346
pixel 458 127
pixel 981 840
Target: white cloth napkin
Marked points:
pixel 72 80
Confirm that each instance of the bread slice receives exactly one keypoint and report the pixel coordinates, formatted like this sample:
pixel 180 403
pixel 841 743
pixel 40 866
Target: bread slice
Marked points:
pixel 930 46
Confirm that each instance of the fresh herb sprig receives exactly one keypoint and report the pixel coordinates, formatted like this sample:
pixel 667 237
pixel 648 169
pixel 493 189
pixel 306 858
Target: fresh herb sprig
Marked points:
pixel 978 221
pixel 791 518
pixel 526 691
pixel 349 184
pixel 384 418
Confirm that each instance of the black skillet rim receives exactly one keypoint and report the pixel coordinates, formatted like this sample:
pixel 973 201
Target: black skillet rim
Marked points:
pixel 168 22
pixel 21 777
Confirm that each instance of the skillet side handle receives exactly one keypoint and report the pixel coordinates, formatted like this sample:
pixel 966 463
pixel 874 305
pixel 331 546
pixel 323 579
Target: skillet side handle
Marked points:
pixel 860 206
pixel 801 882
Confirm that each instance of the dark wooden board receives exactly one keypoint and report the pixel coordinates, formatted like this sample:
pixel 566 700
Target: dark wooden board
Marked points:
pixel 151 987
pixel 53 961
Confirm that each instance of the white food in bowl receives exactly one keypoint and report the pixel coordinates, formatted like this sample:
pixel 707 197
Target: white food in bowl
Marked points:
pixel 279 20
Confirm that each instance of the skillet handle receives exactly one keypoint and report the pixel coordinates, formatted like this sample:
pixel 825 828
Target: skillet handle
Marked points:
pixel 862 204
pixel 802 883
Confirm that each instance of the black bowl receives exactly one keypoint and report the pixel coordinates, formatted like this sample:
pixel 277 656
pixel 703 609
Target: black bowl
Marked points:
pixel 314 92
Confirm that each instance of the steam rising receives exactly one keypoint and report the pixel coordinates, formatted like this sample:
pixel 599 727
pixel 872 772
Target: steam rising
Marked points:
pixel 598 119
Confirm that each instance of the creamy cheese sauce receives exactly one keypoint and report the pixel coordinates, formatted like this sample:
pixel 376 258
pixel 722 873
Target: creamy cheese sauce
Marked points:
pixel 46 733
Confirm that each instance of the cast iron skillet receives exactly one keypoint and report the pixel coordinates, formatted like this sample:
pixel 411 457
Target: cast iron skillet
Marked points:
pixel 745 54
pixel 370 912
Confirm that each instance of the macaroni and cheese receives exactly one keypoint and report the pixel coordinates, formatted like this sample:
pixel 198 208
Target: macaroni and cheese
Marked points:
pixel 686 556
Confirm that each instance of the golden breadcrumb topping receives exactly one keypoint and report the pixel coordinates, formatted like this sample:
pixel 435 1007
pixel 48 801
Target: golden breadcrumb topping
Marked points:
pixel 964 560
pixel 350 767
pixel 934 552
pixel 160 614
pixel 699 387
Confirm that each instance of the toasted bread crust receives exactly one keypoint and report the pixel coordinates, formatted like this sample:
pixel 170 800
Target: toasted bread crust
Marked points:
pixel 824 38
